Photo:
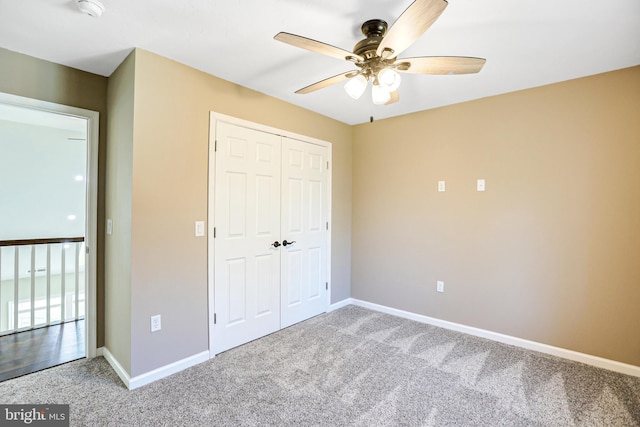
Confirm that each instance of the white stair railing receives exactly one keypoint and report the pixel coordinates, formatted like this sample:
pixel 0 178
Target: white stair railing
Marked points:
pixel 41 283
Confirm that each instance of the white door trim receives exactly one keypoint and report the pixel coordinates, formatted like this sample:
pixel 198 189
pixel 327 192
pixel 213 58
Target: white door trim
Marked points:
pixel 218 117
pixel 91 225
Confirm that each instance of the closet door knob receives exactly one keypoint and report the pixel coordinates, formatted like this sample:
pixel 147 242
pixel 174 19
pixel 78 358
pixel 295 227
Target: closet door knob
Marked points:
pixel 276 244
pixel 285 243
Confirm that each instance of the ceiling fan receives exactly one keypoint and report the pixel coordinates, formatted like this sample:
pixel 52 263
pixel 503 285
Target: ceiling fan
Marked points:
pixel 376 56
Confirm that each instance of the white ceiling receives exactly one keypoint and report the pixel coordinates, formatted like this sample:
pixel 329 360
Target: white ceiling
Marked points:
pixel 527 43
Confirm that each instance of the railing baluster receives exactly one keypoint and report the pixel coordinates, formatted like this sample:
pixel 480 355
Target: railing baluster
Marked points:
pixel 32 317
pixel 63 273
pixel 16 285
pixel 69 310
pixel 77 277
pixel 48 283
pixel 1 279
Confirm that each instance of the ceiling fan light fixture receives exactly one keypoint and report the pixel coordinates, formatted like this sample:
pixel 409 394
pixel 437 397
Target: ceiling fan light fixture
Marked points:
pixel 356 86
pixel 380 94
pixel 376 56
pixel 92 8
pixel 389 79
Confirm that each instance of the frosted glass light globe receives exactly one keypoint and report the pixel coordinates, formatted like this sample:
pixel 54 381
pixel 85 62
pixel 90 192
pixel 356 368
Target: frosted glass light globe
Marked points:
pixel 380 94
pixel 356 86
pixel 389 78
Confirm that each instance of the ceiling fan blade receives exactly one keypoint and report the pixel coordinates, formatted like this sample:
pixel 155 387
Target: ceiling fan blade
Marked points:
pixel 328 82
pixel 316 46
pixel 440 65
pixel 395 97
pixel 413 22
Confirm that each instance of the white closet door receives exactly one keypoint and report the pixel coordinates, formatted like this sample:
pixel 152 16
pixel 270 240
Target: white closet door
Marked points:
pixel 247 218
pixel 304 219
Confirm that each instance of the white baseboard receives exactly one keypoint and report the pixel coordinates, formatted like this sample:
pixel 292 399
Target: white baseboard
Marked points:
pixel 156 374
pixel 588 359
pixel 99 351
pixel 345 302
pixel 122 373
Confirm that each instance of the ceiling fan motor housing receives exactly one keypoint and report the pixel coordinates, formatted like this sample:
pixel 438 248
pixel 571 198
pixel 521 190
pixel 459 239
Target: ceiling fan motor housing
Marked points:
pixel 374 30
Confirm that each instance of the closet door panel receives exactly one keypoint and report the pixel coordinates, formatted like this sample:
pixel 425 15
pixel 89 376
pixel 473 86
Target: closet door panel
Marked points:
pixel 304 216
pixel 247 216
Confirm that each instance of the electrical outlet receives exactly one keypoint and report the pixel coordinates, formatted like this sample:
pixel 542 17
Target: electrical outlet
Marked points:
pixel 440 286
pixel 441 186
pixel 156 323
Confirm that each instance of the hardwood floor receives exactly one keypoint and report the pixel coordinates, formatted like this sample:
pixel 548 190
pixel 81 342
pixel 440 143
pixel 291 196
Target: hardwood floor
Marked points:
pixel 31 351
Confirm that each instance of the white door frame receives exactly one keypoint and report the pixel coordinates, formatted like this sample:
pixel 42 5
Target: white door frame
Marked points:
pixel 91 217
pixel 218 117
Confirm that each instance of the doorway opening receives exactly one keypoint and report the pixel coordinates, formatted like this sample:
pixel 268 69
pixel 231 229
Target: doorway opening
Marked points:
pixel 48 221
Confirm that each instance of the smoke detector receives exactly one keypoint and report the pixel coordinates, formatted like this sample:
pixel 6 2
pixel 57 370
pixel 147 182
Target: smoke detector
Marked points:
pixel 91 7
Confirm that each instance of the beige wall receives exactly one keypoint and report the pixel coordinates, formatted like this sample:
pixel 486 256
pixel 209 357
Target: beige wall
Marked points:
pixel 118 209
pixel 34 78
pixel 169 192
pixel 548 253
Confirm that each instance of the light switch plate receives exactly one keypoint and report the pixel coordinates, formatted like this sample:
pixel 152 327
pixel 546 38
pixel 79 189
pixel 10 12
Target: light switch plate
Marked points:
pixel 109 227
pixel 440 286
pixel 441 186
pixel 199 228
pixel 480 185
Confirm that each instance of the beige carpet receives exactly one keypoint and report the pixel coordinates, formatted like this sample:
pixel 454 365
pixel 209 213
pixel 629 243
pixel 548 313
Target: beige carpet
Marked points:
pixel 349 367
